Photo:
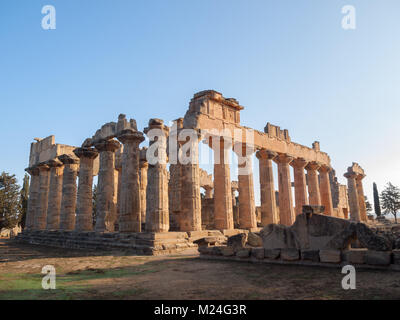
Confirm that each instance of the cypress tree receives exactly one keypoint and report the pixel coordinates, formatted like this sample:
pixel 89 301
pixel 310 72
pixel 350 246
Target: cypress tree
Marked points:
pixel 376 201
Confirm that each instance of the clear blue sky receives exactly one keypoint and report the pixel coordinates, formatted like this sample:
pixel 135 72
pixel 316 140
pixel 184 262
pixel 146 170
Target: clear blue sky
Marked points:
pixel 288 62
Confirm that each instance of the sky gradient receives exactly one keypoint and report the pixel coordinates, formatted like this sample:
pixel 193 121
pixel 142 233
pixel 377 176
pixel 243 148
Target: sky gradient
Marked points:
pixel 289 63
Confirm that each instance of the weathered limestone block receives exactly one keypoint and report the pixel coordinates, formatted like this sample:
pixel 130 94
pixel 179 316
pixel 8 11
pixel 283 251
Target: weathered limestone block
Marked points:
pixel 238 241
pixel 311 255
pixel 371 240
pixel 130 214
pixel 381 258
pixel 206 241
pixel 84 204
pixel 331 256
pixel 277 237
pixel 355 256
pixel 42 204
pixel 243 253
pixel 55 194
pixel 106 206
pixel 254 240
pixel 272 253
pixel 290 254
pixel 257 253
pixel 396 257
pixel 228 251
pixel 33 197
pixel 157 212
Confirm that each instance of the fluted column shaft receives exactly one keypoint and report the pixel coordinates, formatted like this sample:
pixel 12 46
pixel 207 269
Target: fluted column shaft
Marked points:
pixel 157 206
pixel 130 215
pixel 143 186
pixel 361 198
pixel 55 194
pixel 84 204
pixel 223 211
pixel 33 197
pixel 314 195
pixel 69 192
pixel 286 210
pixel 300 185
pixel 106 206
pixel 269 213
pixel 325 189
pixel 42 204
pixel 353 196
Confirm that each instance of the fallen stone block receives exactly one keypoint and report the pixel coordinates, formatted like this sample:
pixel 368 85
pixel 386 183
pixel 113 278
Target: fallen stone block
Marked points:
pixel 254 240
pixel 243 253
pixel 379 258
pixel 206 241
pixel 227 251
pixel 311 255
pixel 331 256
pixel 355 256
pixel 238 241
pixel 396 256
pixel 277 236
pixel 257 253
pixel 272 253
pixel 370 240
pixel 217 251
pixel 290 254
pixel 205 250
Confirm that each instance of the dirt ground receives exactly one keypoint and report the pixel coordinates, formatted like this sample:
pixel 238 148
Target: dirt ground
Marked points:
pixel 119 275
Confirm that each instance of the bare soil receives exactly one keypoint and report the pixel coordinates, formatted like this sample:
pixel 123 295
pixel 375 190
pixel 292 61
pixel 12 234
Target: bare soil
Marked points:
pixel 121 275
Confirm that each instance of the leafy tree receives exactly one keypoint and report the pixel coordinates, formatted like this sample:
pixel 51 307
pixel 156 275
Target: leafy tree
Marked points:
pixel 10 206
pixel 24 200
pixel 377 205
pixel 390 197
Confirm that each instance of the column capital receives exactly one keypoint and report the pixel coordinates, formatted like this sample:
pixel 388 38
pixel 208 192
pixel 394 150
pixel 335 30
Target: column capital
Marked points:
pixel 157 124
pixel 283 158
pixel 129 135
pixel 67 159
pixel 89 153
pixel 360 176
pixel 350 175
pixel 299 163
pixel 107 145
pixel 54 163
pixel 243 149
pixel 313 165
pixel 266 154
pixel 225 142
pixel 324 168
pixel 43 166
pixel 33 171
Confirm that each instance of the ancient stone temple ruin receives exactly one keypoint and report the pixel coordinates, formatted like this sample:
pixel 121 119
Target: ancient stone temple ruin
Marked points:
pixel 155 205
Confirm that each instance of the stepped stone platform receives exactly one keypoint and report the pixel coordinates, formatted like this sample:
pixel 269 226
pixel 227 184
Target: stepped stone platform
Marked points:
pixel 143 243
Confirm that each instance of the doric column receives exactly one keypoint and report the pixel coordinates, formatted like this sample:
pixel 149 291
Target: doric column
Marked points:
pixel 247 206
pixel 130 215
pixel 325 189
pixel 209 192
pixel 314 195
pixel 353 196
pixel 69 190
pixel 269 212
pixel 190 218
pixel 223 212
pixel 106 206
pixel 361 197
pixel 143 164
pixel 33 197
pixel 42 204
pixel 55 194
pixel 84 204
pixel 300 184
pixel 157 215
pixel 286 210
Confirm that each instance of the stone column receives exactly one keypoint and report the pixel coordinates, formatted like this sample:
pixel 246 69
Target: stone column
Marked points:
pixel 157 212
pixel 247 206
pixel 55 194
pixel 286 210
pixel 33 198
pixel 69 189
pixel 209 192
pixel 353 196
pixel 313 185
pixel 223 212
pixel 361 197
pixel 300 185
pixel 143 186
pixel 42 204
pixel 325 189
pixel 84 205
pixel 190 218
pixel 269 212
pixel 106 206
pixel 130 215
